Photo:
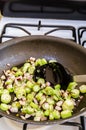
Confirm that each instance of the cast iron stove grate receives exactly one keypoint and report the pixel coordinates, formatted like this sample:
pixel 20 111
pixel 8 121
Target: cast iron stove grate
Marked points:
pixel 81 125
pixel 77 34
pixel 82 35
pixel 38 26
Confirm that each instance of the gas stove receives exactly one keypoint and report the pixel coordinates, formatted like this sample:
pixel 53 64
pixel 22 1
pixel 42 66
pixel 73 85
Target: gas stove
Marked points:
pixel 65 19
pixel 69 29
pixel 76 124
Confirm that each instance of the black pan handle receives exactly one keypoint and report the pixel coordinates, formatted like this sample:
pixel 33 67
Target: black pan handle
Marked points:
pixel 1 116
pixel 25 126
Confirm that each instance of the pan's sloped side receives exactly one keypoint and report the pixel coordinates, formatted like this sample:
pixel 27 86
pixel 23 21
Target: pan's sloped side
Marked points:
pixel 68 53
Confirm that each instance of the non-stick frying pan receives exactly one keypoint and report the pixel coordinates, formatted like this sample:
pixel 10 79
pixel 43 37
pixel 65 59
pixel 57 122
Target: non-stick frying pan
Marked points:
pixel 68 53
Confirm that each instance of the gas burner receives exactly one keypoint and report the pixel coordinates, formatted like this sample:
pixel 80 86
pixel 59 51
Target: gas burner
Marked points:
pixel 55 30
pixel 82 35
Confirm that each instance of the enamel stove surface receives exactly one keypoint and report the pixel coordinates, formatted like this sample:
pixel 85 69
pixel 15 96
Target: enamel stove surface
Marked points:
pixel 11 27
pixel 17 27
pixel 60 28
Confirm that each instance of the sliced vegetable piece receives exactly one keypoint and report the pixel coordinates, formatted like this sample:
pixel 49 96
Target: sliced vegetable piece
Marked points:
pixel 27 110
pixel 4 106
pixel 49 90
pixel 66 114
pixel 71 86
pixel 57 87
pixel 51 116
pixel 75 93
pixel 36 88
pixel 25 67
pixel 40 81
pixel 56 114
pixel 68 104
pixel 33 105
pixel 83 88
pixel 6 98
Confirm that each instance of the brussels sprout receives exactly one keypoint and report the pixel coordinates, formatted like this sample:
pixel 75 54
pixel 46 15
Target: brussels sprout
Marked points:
pixel 20 93
pixel 82 88
pixel 33 105
pixel 57 87
pixel 66 114
pixel 25 67
pixel 71 86
pixel 36 88
pixel 4 106
pixel 56 114
pixel 68 104
pixel 75 93
pixel 40 81
pixel 6 98
pixel 27 110
pixel 49 90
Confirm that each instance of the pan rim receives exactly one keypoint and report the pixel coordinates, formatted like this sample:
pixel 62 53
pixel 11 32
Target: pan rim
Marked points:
pixel 48 122
pixel 41 37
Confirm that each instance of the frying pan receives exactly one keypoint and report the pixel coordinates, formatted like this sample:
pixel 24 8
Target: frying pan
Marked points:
pixel 68 53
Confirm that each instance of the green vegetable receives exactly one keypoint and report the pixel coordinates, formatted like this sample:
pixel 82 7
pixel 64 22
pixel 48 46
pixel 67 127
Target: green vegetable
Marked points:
pixel 40 100
pixel 5 98
pixel 1 91
pixel 49 90
pixel 40 62
pixel 18 73
pixel 30 97
pixel 31 69
pixel 5 91
pixel 20 93
pixel 28 90
pixel 14 69
pixel 66 114
pixel 82 88
pixel 29 84
pixel 57 87
pixel 36 88
pixel 71 86
pixel 9 81
pixel 68 104
pixel 47 112
pixel 41 81
pixel 55 98
pixel 4 106
pixel 25 67
pixel 10 88
pixel 33 105
pixel 38 115
pixel 45 106
pixel 39 96
pixel 27 110
pixel 75 93
pixel 16 104
pixel 50 101
pixel 56 114
pixel 51 116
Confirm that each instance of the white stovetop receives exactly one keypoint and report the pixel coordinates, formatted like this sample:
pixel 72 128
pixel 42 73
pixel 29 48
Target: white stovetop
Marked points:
pixel 6 124
pixel 76 23
pixel 34 31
